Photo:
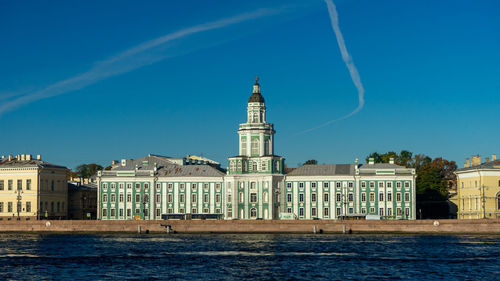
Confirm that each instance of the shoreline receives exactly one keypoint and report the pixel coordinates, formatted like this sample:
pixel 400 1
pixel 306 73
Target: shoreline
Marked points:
pixel 445 226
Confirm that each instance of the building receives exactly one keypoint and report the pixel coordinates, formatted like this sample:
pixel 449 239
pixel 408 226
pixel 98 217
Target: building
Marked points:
pixel 338 191
pixel 32 189
pixel 478 188
pixel 82 201
pixel 255 185
pixel 153 185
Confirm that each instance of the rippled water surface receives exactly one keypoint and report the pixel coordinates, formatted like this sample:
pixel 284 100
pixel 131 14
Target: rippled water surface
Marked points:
pixel 178 256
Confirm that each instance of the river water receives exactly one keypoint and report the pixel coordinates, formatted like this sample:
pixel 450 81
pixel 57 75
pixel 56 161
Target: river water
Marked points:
pixel 257 256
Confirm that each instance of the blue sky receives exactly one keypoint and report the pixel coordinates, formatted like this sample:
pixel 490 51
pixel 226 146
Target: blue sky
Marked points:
pixel 430 70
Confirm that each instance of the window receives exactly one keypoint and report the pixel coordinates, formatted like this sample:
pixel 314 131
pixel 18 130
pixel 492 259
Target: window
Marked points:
pixel 389 184
pixel 158 212
pixel 289 185
pixel 351 210
pixel 137 187
pixel 129 211
pixel 380 184
pixel 243 146
pixel 339 184
pixel 326 197
pixel 301 197
pixel 1 207
pixel 254 165
pixel 289 198
pixel 339 197
pixel 389 197
pixel 121 198
pixel 407 196
pixel 407 212
pixel 389 211
pixel 253 197
pixel 28 207
pixel 301 185
pixel 372 210
pixel 255 146
pixel 137 198
pixel 289 210
pixel 113 198
pixel 398 212
pixel 205 198
pixel 146 186
pixel 325 212
pixel 229 198
pixel 206 187
pixel 313 197
pixel 217 211
pixel 363 210
pixel 158 198
pixel 129 186
pixel 339 211
pixel 398 184
pixel 112 213
pixel 113 186
pixel 194 211
pixel 381 211
pixel 120 212
pixel 170 187
pixel 372 197
pixel 181 198
pixel 217 187
pixel 313 212
pixel 363 184
pixel 407 184
pixel 253 212
pixel 9 182
pixel 1 185
pixel 301 212
pixel 325 185
pixel 241 197
pixel 263 165
pixel 137 211
pixel 351 197
pixel 104 198
pixel 120 186
pixel 181 187
pixel 146 212
pixel 158 187
pixel 253 186
pixel 351 185
pixel 363 197
pixel 380 197
pixel 28 184
pixel 170 211
pixel 372 184
pixel 313 185
pixel 266 197
pixel 498 201
pixel 193 198
pixel 104 212
pixel 398 197
pixel 129 197
pixel 217 198
pixel 170 198
pixel 230 212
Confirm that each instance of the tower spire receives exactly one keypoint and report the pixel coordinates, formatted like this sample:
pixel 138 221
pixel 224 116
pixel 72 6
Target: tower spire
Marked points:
pixel 256 86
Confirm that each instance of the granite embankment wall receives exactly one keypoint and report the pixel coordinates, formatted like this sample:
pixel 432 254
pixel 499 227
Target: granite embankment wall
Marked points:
pixel 244 226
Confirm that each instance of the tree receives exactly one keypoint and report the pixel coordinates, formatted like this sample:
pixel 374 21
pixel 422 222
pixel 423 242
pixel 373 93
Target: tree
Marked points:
pixel 86 171
pixel 310 162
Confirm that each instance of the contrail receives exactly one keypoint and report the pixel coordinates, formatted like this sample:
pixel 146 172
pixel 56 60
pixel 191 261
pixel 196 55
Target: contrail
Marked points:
pixel 353 71
pixel 123 62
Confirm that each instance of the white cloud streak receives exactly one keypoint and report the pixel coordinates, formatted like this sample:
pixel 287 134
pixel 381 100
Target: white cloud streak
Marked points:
pixel 123 62
pixel 353 71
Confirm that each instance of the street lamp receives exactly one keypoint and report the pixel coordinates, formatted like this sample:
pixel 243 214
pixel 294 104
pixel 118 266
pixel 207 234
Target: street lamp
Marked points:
pixel 19 203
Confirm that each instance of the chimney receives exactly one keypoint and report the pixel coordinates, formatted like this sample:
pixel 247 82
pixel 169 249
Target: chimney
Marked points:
pixel 467 163
pixel 487 160
pixel 371 161
pixel 476 160
pixel 493 157
pixel 23 157
pixel 28 157
pixel 391 160
pixel 39 157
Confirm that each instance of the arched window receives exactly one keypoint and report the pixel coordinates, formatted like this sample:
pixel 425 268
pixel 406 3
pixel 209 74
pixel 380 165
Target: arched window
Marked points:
pixel 255 146
pixel 254 165
pixel 253 213
pixel 498 201
pixel 267 147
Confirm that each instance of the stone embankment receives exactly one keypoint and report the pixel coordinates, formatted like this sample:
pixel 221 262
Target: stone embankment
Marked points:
pixel 252 226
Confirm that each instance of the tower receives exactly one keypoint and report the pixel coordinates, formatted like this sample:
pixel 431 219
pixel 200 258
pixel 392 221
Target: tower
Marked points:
pixel 254 175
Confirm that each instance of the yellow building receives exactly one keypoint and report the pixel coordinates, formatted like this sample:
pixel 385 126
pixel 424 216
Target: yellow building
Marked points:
pixel 32 189
pixel 478 188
